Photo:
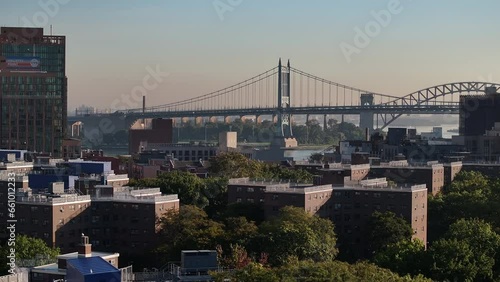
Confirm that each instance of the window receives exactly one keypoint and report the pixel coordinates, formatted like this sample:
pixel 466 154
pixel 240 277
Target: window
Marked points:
pixel 238 189
pixel 250 200
pixel 275 197
pixel 250 190
pixel 238 200
pixel 337 206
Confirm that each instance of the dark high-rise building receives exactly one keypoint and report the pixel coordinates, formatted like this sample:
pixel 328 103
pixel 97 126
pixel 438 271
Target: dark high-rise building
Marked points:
pixel 479 113
pixel 395 136
pixel 33 90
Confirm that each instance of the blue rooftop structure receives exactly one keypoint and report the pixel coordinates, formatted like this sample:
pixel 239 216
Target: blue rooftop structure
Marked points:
pixel 91 269
pixel 19 154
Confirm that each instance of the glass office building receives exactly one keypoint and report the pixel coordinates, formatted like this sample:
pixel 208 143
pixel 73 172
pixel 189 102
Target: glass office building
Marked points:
pixel 33 90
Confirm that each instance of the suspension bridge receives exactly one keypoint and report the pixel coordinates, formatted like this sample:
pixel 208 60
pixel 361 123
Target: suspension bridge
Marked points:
pixel 284 91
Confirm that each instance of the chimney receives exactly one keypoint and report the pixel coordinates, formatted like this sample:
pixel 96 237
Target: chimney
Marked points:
pixel 85 248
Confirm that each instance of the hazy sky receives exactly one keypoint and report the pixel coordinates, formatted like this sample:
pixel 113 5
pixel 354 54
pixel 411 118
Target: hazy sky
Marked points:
pixel 111 43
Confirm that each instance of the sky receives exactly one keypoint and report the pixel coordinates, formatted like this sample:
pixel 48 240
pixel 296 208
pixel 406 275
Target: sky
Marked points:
pixel 206 45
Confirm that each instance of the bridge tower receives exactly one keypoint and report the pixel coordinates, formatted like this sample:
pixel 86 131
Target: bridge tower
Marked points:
pixel 284 134
pixel 366 117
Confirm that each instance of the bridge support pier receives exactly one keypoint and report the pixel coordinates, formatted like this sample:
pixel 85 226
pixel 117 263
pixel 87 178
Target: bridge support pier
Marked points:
pixel 184 120
pixel 198 120
pixel 227 120
pixel 243 119
pixel 366 117
pixel 258 119
pixel 275 119
pixel 213 119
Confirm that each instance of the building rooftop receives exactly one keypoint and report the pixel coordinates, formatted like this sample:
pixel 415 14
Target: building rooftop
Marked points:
pixel 120 194
pixel 132 194
pixel 15 164
pixel 299 189
pixel 91 265
pixel 380 184
pixel 44 199
pixel 405 164
pixel 264 182
pixel 53 268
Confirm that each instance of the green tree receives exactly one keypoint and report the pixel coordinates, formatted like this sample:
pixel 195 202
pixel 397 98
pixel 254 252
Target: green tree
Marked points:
pixel 240 231
pixel 274 171
pixel 188 186
pixel 215 190
pixel 27 249
pixel 404 257
pixel 334 271
pixel 187 229
pixel 470 195
pixel 477 233
pixel 234 165
pixel 387 228
pixel 469 181
pixel 452 260
pixel 317 158
pixel 296 233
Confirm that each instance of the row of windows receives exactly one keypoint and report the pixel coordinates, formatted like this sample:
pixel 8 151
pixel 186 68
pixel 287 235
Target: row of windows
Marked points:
pixel 28 80
pixel 249 200
pixel 365 205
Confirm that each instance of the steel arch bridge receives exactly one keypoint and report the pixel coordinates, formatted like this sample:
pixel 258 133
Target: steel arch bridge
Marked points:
pixel 284 91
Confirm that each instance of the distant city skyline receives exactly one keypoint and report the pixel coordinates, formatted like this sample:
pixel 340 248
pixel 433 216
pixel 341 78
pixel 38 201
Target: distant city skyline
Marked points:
pixel 205 46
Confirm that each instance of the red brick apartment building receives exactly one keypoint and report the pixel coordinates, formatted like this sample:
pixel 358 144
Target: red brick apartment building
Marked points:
pixel 349 205
pixel 122 219
pixel 275 195
pixel 354 203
